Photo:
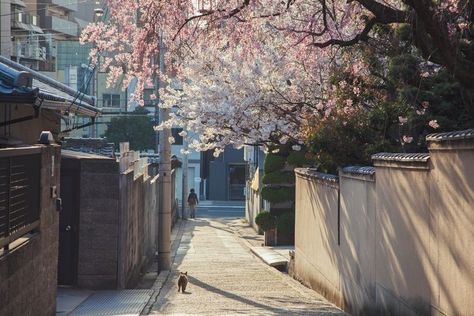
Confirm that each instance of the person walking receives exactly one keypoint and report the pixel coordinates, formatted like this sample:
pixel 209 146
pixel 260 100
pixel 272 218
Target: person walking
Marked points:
pixel 192 202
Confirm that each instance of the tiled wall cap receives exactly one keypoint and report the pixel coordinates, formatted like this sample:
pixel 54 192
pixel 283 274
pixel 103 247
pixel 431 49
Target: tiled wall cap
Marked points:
pixel 359 170
pixel 317 175
pixel 402 157
pixel 456 135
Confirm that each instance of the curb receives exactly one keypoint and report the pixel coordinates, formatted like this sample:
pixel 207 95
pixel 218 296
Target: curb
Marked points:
pixel 164 275
pixel 270 257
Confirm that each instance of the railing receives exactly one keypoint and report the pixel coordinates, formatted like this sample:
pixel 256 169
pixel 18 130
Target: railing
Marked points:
pixel 20 171
pixel 25 18
pixel 29 50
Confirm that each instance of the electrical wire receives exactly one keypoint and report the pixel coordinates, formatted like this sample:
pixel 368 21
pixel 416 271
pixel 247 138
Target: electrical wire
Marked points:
pixel 39 2
pixel 81 94
pixel 46 7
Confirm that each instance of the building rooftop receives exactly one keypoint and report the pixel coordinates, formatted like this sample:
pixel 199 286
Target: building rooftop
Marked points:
pixel 82 155
pixel 19 84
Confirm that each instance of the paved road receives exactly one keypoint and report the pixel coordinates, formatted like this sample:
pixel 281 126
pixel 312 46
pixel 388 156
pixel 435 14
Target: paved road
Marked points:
pixel 220 212
pixel 226 278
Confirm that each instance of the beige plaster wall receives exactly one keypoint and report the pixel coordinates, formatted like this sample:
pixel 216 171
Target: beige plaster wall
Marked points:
pixel 316 236
pixel 357 259
pixel 406 238
pixel 452 205
pixel 403 255
pixel 253 207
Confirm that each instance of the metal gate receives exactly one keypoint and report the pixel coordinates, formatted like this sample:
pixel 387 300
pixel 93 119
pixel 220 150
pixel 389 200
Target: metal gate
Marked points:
pixel 19 196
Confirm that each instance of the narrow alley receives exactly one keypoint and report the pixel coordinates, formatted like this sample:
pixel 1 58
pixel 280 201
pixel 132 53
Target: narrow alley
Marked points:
pixel 225 278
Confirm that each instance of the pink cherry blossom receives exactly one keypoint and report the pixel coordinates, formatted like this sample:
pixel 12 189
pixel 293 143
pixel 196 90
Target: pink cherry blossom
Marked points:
pixel 407 139
pixel 240 71
pixel 434 124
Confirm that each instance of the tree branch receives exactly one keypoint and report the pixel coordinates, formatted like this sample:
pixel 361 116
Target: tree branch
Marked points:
pixel 362 36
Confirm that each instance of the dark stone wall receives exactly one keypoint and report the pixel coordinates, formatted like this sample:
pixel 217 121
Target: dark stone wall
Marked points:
pixel 138 225
pixel 98 224
pixel 28 273
pixel 117 223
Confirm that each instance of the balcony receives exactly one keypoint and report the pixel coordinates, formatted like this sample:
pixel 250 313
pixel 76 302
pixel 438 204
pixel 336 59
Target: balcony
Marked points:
pixel 31 50
pixel 66 4
pixel 26 22
pixel 61 26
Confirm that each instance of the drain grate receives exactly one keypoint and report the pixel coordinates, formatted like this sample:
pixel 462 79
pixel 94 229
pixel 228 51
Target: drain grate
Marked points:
pixel 108 303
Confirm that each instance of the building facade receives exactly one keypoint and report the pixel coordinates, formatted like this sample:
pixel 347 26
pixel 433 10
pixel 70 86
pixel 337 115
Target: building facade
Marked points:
pixel 224 177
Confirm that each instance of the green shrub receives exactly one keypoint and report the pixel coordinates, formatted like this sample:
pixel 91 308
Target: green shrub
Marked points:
pixel 298 158
pixel 278 194
pixel 265 220
pixel 273 163
pixel 278 177
pixel 286 223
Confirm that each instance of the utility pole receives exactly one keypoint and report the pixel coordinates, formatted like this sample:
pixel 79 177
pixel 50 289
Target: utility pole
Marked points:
pixel 185 178
pixel 164 215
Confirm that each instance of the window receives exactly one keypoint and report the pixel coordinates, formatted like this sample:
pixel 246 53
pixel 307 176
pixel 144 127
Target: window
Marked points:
pixel 147 97
pixel 178 139
pixel 110 100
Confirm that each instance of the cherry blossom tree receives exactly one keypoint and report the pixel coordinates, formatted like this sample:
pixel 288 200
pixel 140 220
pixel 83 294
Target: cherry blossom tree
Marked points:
pixel 255 70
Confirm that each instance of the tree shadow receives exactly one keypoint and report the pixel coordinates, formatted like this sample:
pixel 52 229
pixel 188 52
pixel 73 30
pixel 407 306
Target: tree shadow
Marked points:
pixel 399 242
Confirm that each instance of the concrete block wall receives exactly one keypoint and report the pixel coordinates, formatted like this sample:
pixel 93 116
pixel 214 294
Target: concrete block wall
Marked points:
pixel 139 220
pixel 117 223
pixel 98 224
pixel 28 273
pixel 395 238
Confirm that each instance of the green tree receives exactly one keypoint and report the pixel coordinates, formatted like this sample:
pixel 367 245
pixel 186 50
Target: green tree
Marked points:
pixel 137 129
pixel 390 107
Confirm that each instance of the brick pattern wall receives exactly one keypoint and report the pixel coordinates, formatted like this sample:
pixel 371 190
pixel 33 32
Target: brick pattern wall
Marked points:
pixel 98 224
pixel 117 224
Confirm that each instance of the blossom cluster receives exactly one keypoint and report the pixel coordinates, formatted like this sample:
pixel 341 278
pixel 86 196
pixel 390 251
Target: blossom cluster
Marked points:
pixel 239 71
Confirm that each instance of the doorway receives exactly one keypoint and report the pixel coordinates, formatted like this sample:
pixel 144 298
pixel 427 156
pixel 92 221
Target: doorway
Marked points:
pixel 236 181
pixel 69 222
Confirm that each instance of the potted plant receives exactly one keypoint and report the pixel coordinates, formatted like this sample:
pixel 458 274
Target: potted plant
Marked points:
pixel 267 222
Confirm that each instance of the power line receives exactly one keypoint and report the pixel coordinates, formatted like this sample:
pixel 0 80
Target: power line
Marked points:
pixel 87 84
pixel 40 2
pixel 47 7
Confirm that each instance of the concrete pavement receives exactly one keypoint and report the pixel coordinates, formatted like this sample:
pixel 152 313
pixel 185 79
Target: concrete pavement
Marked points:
pixel 225 278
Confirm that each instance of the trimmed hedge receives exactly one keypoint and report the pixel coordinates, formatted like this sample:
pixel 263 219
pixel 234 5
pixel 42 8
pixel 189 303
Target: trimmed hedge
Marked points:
pixel 279 177
pixel 278 194
pixel 266 221
pixel 298 158
pixel 286 223
pixel 273 163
